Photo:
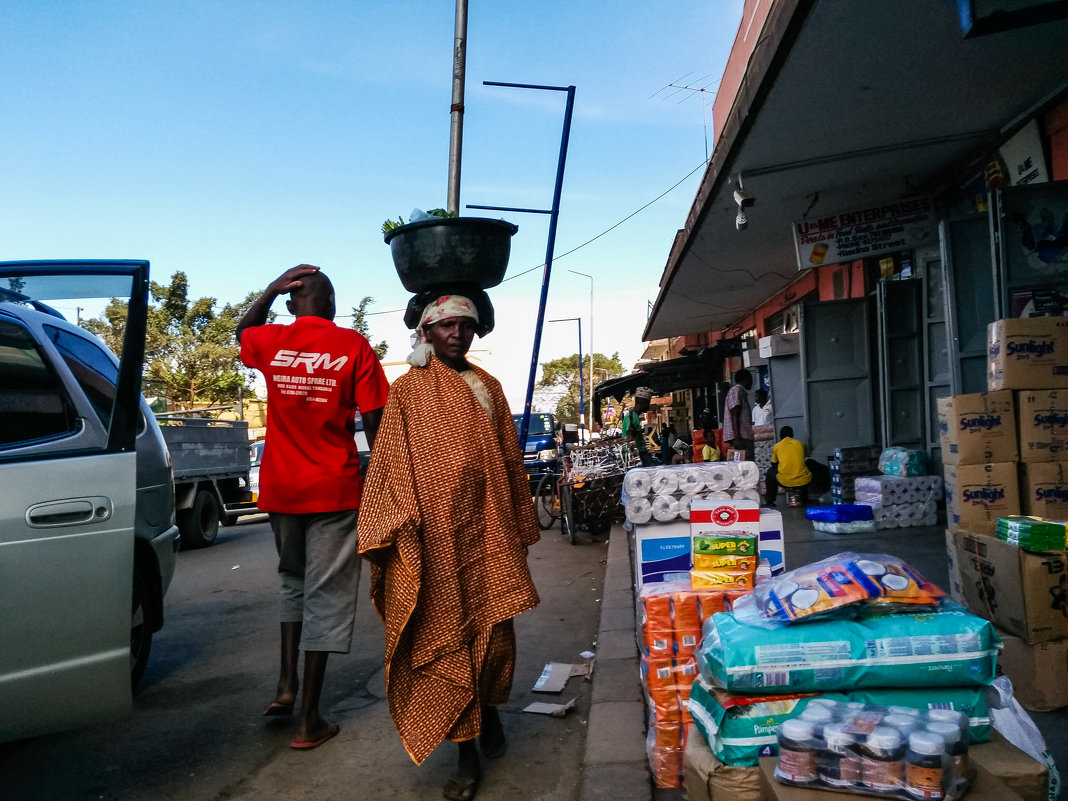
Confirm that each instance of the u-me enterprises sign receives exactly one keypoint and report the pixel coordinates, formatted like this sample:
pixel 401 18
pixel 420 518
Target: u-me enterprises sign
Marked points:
pixel 864 232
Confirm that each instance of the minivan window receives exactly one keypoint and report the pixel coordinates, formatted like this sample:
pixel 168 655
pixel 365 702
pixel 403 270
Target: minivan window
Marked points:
pixel 92 368
pixel 539 423
pixel 33 402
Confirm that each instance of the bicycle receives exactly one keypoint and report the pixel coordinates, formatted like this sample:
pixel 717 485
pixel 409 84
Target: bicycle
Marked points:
pixel 547 504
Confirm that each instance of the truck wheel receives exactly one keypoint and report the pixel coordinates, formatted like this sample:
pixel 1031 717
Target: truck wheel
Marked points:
pixel 140 630
pixel 200 525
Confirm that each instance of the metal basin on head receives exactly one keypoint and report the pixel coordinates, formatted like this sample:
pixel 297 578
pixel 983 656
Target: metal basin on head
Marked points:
pixel 451 249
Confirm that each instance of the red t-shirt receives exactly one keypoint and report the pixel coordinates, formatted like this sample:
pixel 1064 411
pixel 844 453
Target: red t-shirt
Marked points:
pixel 318 374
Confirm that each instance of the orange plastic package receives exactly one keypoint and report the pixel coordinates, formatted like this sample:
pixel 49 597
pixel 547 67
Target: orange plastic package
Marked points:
pixel 819 588
pixel 664 745
pixel 661 688
pixel 686 621
pixel 686 671
pixel 898 583
pixel 655 613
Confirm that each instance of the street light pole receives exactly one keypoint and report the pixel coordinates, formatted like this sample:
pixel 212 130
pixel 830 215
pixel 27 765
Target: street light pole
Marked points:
pixel 582 419
pixel 592 351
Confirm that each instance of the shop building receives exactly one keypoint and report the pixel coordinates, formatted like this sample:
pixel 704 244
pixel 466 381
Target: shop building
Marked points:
pixel 888 178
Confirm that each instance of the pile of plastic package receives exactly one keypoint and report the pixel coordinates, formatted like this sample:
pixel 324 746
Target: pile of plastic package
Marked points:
pixel 663 494
pixel 903 462
pixel 842 518
pixel 858 629
pixel 901 501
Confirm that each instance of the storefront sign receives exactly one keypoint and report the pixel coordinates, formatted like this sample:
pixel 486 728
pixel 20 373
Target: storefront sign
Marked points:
pixel 864 232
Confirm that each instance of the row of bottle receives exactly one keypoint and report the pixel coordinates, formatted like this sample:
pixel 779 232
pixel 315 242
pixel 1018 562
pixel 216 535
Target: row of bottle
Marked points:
pixel 911 753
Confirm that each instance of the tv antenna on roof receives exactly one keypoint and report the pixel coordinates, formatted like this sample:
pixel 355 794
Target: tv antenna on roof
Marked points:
pixel 696 86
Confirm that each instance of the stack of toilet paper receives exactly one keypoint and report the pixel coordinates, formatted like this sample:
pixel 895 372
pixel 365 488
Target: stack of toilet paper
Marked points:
pixel 663 494
pixel 901 501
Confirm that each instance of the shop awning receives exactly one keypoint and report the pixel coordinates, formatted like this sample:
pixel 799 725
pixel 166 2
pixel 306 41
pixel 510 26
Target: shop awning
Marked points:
pixel 843 105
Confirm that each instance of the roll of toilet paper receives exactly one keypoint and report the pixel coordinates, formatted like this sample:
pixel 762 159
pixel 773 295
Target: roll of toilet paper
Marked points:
pixel 665 508
pixel 718 495
pixel 746 495
pixel 639 510
pixel 684 505
pixel 691 479
pixel 664 481
pixel 747 475
pixel 637 482
pixel 718 476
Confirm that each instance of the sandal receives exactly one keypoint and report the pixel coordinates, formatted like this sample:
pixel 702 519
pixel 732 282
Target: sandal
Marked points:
pixel 461 788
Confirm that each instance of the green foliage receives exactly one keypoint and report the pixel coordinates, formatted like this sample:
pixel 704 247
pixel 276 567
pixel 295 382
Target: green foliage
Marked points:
pixel 360 324
pixel 563 374
pixel 389 225
pixel 191 354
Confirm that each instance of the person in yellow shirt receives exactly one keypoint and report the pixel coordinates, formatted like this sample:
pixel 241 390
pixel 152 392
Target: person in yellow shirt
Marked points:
pixel 787 469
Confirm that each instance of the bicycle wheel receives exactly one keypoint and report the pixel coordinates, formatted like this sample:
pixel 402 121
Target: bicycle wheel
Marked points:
pixel 545 499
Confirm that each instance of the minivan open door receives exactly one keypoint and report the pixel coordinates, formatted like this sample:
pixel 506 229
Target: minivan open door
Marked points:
pixel 67 499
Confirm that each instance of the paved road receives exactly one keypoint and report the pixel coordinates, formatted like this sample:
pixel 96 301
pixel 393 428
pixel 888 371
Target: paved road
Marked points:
pixel 196 733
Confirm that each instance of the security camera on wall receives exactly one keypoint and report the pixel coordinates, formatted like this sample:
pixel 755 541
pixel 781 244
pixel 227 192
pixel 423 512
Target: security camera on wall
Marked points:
pixel 743 197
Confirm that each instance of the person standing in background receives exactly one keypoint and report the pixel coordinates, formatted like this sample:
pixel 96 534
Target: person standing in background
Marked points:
pixel 738 415
pixel 318 376
pixel 632 424
pixel 762 413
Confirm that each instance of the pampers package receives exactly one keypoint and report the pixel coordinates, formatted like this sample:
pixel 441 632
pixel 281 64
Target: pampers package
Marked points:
pixel 947 648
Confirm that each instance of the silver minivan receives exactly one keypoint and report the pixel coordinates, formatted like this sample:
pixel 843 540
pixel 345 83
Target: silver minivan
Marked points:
pixel 87 533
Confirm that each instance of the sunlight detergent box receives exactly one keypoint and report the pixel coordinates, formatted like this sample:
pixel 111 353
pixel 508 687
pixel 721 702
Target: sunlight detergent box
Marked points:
pixel 1044 490
pixel 984 493
pixel 978 428
pixel 1042 421
pixel 1027 353
pixel 662 552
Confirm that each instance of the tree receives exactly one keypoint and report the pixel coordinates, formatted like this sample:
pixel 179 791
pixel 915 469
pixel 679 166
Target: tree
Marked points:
pixel 191 354
pixel 563 374
pixel 360 324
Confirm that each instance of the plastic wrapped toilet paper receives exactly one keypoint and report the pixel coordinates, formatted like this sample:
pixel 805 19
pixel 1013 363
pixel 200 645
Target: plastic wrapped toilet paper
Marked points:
pixel 718 476
pixel 691 480
pixel 665 508
pixel 639 510
pixel 636 483
pixel 747 475
pixel 664 481
pixel 684 505
pixel 746 495
pixel 719 495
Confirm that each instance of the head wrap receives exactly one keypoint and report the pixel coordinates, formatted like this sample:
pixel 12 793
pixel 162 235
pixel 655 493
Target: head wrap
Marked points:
pixel 643 392
pixel 437 310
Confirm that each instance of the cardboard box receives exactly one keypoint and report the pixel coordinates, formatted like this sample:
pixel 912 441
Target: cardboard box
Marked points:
pixel 1042 422
pixel 708 779
pixel 1027 353
pixel 1039 672
pixel 662 552
pixel 1020 591
pixel 772 544
pixel 986 492
pixel 779 345
pixel 979 428
pixel 1044 490
pixel 1019 772
pixel 952 488
pixel 983 787
pixel 712 518
pixel 955 588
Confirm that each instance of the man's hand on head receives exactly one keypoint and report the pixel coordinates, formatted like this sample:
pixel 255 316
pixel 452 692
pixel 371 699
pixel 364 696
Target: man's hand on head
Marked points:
pixel 290 279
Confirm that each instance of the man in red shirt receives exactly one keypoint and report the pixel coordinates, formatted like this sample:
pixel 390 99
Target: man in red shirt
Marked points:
pixel 318 375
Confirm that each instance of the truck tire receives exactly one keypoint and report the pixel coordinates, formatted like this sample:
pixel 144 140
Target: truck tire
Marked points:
pixel 200 525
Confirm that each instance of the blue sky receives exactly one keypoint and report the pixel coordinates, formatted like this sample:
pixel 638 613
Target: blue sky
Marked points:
pixel 232 140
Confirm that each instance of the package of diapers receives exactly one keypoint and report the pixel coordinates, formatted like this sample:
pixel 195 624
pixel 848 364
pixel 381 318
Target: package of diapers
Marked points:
pixel 947 648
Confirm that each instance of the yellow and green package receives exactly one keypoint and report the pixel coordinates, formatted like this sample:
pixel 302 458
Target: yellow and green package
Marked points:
pixel 740 544
pixel 720 579
pixel 725 562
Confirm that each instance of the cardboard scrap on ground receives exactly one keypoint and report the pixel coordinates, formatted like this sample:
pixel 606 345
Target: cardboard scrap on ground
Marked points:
pixel 554 710
pixel 554 677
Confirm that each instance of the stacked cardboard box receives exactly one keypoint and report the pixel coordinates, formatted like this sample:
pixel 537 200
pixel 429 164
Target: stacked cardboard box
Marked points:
pixel 1005 453
pixel 846 466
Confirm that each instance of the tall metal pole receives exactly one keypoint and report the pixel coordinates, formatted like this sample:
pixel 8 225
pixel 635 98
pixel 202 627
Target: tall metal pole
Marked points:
pixel 456 129
pixel 592 351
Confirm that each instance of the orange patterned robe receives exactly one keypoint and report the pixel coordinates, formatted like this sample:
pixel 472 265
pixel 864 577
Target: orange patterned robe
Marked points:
pixel 445 520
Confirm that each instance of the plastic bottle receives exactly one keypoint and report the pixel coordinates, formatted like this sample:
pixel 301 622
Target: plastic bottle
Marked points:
pixel 798 752
pixel 906 724
pixel 839 761
pixel 925 766
pixel 955 747
pixel 882 760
